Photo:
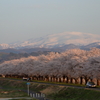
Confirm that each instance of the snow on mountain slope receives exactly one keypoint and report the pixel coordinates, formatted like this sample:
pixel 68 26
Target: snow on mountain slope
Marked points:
pixel 59 39
pixel 4 46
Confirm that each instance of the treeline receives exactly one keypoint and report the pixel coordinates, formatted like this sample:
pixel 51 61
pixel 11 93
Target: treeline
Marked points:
pixel 71 64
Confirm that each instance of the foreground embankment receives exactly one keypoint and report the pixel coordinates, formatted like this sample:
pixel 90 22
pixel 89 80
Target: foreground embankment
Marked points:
pixel 54 92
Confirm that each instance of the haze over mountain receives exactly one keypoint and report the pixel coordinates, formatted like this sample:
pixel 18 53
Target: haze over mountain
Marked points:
pixel 56 40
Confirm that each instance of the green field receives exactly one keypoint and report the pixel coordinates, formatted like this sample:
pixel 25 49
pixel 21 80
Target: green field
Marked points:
pixel 14 88
pixel 75 94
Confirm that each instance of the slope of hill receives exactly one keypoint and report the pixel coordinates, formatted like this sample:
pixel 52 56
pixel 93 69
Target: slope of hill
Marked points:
pixel 53 49
pixel 92 45
pixel 10 56
pixel 61 39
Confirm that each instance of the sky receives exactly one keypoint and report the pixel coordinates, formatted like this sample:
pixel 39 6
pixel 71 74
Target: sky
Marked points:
pixel 21 20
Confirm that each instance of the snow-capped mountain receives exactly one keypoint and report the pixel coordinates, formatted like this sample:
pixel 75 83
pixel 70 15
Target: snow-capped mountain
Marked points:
pixel 56 40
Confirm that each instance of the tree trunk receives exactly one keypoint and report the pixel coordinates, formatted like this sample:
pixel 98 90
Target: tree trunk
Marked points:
pixel 78 81
pixel 50 79
pixel 58 79
pixel 83 81
pixel 98 82
pixel 94 80
pixel 3 76
pixel 65 80
pixel 73 81
pixel 69 80
pixel 62 79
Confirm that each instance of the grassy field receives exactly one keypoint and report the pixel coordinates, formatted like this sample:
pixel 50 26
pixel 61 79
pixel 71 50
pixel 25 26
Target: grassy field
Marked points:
pixel 9 93
pixel 75 94
pixel 13 88
pixel 12 93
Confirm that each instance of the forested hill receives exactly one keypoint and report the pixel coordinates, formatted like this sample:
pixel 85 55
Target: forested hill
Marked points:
pixel 10 56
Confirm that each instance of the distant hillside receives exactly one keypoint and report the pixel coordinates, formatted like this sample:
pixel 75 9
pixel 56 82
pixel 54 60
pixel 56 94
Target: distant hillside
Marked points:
pixel 54 49
pixel 55 40
pixel 10 56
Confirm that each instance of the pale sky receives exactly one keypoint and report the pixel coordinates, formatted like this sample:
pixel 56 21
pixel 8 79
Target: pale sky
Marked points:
pixel 21 20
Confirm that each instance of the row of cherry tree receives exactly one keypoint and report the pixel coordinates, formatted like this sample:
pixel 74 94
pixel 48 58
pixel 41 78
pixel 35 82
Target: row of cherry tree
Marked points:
pixel 72 63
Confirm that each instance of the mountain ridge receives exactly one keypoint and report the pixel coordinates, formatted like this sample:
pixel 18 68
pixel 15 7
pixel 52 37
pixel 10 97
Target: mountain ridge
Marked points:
pixel 54 49
pixel 56 40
